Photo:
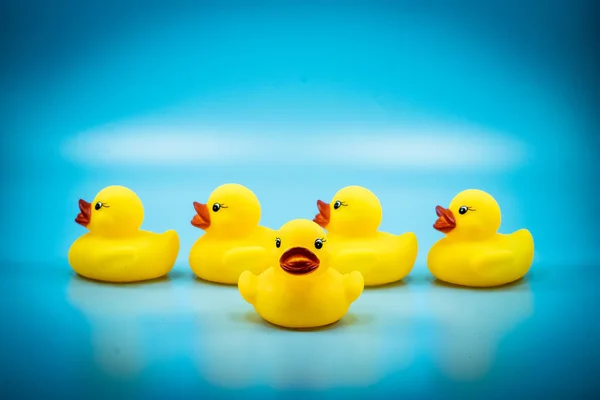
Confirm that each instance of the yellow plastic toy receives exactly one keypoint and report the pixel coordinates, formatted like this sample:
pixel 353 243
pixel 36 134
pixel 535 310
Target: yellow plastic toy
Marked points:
pixel 233 242
pixel 473 253
pixel 302 291
pixel 352 220
pixel 115 249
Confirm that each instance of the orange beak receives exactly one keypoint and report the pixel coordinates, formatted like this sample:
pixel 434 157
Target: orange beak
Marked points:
pixel 445 222
pixel 84 217
pixel 299 261
pixel 202 218
pixel 322 218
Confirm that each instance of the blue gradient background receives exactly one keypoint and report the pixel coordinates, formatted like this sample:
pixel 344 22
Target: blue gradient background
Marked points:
pixel 299 72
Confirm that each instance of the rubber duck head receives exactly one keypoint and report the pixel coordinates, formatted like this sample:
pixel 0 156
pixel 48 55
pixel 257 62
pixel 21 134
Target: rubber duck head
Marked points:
pixel 115 211
pixel 353 211
pixel 302 249
pixel 231 210
pixel 472 214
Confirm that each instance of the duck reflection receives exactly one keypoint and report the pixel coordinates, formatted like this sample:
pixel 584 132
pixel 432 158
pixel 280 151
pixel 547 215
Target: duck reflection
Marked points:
pixel 236 348
pixel 469 324
pixel 121 318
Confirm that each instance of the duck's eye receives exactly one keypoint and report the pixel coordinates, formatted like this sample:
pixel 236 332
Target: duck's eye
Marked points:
pixel 318 244
pixel 278 243
pixel 463 210
pixel 337 204
pixel 216 207
pixel 98 206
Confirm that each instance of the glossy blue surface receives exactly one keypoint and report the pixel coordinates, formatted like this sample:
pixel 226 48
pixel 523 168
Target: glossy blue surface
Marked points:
pixel 414 101
pixel 180 337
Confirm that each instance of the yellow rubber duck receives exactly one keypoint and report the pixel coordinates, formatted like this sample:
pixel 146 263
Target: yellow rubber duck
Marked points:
pixel 302 291
pixel 115 249
pixel 233 242
pixel 473 253
pixel 352 220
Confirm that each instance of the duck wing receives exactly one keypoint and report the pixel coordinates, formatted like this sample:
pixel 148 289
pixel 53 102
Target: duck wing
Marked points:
pixel 495 262
pixel 119 257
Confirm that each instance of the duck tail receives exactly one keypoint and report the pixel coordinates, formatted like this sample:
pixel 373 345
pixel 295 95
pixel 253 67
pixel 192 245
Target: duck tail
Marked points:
pixel 247 285
pixel 525 237
pixel 408 246
pixel 355 284
pixel 172 241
